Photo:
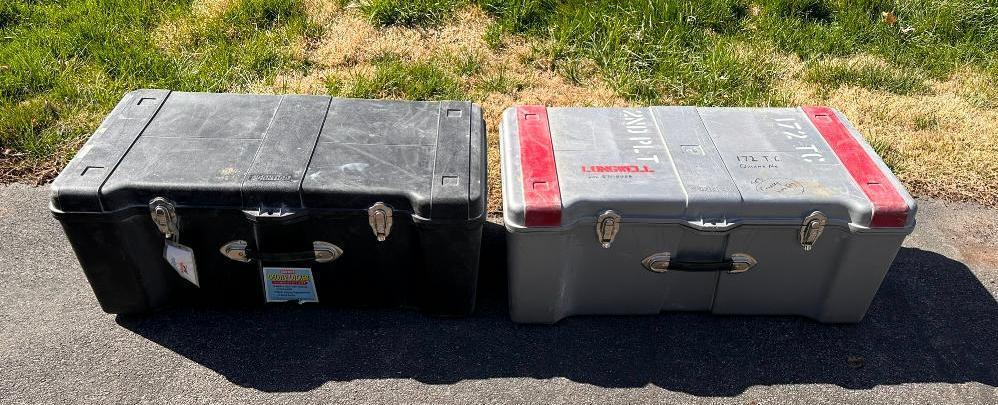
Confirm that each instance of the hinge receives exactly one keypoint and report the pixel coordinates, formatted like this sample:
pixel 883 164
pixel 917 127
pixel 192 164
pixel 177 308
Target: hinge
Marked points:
pixel 607 226
pixel 380 217
pixel 164 215
pixel 811 229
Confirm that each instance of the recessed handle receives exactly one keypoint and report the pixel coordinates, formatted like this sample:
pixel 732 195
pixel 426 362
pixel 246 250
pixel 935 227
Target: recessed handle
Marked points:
pixel 663 262
pixel 322 252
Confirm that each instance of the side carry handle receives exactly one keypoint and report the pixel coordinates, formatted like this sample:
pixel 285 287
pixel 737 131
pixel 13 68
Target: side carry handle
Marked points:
pixel 663 262
pixel 322 252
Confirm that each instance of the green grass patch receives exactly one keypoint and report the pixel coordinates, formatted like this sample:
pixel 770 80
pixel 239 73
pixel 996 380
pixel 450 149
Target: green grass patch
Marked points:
pixel 927 122
pixel 499 82
pixel 410 13
pixel 467 64
pixel 396 78
pixel 10 13
pixel 516 16
pixel 65 63
pixel 650 52
pixel 869 75
pixel 654 51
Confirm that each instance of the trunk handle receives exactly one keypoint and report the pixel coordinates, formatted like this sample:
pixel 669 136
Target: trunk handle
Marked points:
pixel 663 262
pixel 322 252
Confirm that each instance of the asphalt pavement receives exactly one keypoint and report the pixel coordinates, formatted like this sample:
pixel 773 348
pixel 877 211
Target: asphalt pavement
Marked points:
pixel 931 336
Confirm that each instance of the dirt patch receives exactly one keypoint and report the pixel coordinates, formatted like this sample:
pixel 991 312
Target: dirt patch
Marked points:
pixel 979 255
pixel 36 171
pixel 968 230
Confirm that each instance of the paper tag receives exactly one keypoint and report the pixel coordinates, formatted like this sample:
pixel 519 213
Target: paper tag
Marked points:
pixel 181 258
pixel 289 284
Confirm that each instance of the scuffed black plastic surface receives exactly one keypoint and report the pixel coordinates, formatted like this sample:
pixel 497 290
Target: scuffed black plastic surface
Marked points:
pixel 219 157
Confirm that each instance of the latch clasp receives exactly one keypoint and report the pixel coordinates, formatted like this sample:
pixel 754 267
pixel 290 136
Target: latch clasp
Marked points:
pixel 164 215
pixel 236 250
pixel 742 262
pixel 658 262
pixel 607 226
pixel 380 218
pixel 811 229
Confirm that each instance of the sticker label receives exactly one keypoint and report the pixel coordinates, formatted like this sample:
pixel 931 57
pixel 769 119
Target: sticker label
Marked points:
pixel 289 284
pixel 181 258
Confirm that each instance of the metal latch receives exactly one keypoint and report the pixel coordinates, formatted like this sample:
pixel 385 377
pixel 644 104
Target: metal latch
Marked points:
pixel 811 229
pixel 741 262
pixel 658 262
pixel 380 217
pixel 164 215
pixel 236 250
pixel 325 251
pixel 607 226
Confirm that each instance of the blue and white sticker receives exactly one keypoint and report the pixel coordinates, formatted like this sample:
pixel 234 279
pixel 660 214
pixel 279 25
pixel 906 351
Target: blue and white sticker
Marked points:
pixel 282 284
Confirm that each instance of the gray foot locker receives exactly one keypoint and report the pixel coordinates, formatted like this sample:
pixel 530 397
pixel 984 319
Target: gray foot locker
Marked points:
pixel 782 211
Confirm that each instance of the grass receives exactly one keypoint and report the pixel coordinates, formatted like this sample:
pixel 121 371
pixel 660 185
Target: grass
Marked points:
pixel 66 63
pixel 408 13
pixel 660 51
pixel 920 79
pixel 398 79
pixel 875 76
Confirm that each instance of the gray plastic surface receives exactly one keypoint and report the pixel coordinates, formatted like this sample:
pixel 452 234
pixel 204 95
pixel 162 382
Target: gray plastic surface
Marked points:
pixel 707 166
pixel 702 185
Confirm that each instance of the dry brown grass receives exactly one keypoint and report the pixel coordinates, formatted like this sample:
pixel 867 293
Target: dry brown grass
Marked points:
pixel 942 144
pixel 173 34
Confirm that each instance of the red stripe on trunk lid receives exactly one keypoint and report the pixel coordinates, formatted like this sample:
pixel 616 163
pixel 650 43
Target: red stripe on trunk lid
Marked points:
pixel 541 192
pixel 889 208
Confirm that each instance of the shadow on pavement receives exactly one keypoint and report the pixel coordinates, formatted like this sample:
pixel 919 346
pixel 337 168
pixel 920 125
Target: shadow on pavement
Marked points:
pixel 932 321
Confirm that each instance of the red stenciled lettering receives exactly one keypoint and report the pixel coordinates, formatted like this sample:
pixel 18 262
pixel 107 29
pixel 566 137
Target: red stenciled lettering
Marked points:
pixel 617 169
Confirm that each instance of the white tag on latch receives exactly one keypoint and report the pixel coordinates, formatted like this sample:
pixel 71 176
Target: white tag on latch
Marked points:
pixel 181 258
